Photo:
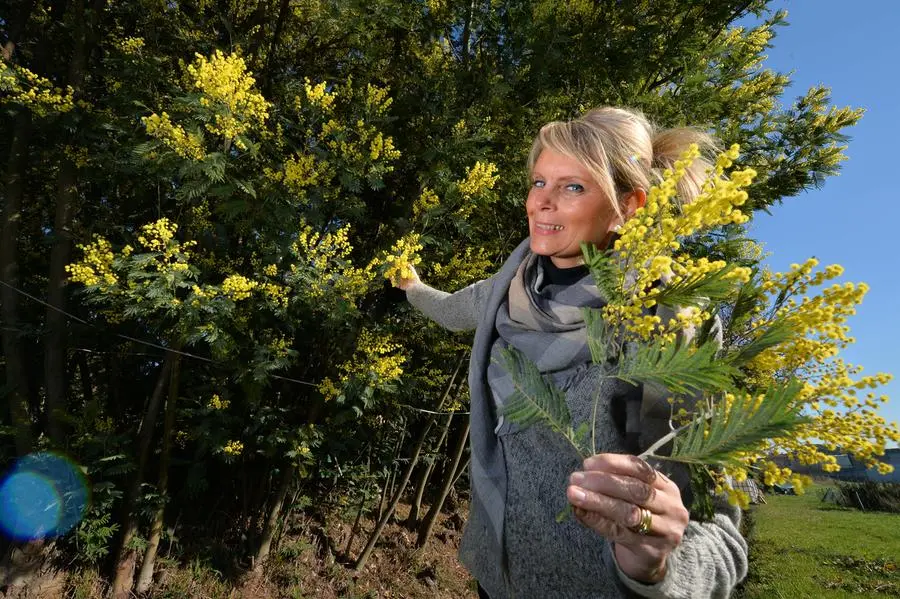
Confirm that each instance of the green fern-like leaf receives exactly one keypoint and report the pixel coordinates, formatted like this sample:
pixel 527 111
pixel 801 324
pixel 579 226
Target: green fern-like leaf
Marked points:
pixel 535 400
pixel 677 367
pixel 607 274
pixel 713 437
pixel 602 341
pixel 775 334
pixel 697 290
pixel 749 296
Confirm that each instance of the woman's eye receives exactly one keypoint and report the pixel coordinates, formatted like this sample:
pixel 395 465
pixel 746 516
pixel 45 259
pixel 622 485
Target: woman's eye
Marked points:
pixel 576 187
pixel 538 183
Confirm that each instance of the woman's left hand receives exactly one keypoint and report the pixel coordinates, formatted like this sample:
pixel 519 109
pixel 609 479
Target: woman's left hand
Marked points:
pixel 608 496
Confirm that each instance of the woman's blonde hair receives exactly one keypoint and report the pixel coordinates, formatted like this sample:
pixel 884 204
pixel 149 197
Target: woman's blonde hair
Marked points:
pixel 624 151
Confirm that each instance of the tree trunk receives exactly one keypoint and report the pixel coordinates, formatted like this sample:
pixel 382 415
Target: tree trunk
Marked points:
pixel 145 577
pixel 55 335
pixel 66 200
pixel 395 499
pixel 460 470
pixel 387 490
pixel 266 79
pixel 416 506
pixel 354 530
pixel 124 576
pixel 16 378
pixel 268 533
pixel 431 518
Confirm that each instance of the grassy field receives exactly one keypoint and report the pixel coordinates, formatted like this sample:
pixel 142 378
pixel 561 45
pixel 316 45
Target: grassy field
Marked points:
pixel 802 547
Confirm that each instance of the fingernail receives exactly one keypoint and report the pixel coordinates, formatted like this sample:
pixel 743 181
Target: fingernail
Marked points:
pixel 577 493
pixel 577 478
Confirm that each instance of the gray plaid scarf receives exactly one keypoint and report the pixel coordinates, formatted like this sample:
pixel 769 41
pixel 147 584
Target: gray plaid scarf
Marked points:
pixel 546 324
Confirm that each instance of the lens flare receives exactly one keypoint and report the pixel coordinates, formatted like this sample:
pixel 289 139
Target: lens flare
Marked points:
pixel 43 495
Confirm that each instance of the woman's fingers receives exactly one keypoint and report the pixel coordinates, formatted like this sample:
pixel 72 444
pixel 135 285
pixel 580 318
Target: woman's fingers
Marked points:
pixel 613 489
pixel 652 546
pixel 623 512
pixel 405 284
pixel 627 488
pixel 625 465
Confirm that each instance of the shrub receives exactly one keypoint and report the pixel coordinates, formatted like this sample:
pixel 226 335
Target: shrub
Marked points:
pixel 869 496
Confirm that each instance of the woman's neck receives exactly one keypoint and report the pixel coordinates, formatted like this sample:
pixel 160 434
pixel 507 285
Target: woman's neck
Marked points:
pixel 565 275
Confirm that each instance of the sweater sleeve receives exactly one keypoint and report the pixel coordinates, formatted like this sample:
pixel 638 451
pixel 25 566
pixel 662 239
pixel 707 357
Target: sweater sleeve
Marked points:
pixel 459 311
pixel 710 561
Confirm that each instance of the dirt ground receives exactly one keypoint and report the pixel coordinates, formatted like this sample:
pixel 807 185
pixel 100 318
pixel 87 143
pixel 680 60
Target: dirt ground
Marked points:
pixel 315 565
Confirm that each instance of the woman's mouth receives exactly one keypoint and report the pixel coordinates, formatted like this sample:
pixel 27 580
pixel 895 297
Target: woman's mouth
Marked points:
pixel 547 228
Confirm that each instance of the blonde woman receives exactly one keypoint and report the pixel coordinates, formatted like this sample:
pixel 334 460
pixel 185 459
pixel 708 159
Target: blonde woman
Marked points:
pixel 632 535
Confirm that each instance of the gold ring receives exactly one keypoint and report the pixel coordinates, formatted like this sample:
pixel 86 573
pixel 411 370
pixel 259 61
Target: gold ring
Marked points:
pixel 643 527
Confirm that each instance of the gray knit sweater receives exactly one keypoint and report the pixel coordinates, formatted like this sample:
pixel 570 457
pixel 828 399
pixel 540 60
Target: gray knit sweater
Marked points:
pixel 551 560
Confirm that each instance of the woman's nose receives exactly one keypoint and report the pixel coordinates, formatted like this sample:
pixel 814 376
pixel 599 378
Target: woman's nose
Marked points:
pixel 544 199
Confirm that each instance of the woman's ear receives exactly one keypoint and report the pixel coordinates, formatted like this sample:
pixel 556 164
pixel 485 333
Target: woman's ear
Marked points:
pixel 634 200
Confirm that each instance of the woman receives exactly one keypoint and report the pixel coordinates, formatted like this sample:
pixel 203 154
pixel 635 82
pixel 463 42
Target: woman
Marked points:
pixel 633 535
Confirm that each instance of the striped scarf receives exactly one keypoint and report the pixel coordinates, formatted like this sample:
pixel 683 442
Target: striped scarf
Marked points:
pixel 546 323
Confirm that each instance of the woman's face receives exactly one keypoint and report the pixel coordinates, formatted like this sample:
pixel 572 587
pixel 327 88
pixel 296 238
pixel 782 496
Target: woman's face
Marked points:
pixel 566 207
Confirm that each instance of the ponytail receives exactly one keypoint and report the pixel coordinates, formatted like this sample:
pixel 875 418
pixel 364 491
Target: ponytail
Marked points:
pixel 669 145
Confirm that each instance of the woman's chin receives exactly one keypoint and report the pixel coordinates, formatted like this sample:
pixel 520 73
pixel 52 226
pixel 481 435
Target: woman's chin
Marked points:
pixel 543 246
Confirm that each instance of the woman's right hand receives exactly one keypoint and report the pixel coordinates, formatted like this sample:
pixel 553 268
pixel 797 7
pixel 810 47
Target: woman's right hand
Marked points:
pixel 406 283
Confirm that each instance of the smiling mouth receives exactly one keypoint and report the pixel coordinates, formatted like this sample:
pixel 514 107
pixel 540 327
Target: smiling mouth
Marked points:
pixel 544 227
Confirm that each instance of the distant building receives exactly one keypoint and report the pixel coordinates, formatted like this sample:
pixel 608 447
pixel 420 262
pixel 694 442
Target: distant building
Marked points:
pixel 851 468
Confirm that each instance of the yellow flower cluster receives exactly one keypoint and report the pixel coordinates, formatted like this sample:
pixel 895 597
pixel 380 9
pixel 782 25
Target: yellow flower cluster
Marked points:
pixel 401 257
pixel 159 236
pixel 376 362
pixel 648 250
pixel 238 287
pixel 227 88
pixel 840 418
pixel 280 347
pixel 328 255
pixel 377 100
pixel 462 269
pixel 277 294
pixel 317 95
pixel 155 236
pixel 360 145
pixel 95 268
pixel 427 200
pixel 186 145
pixel 233 448
pixel 381 146
pixel 130 45
pixel 301 172
pixel 21 86
pixel 217 403
pixel 649 241
pixel 479 179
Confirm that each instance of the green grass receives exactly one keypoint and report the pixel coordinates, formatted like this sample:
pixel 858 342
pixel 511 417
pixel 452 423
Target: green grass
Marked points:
pixel 802 547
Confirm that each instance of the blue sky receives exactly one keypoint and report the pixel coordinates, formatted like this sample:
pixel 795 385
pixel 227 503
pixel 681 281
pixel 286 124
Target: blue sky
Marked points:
pixel 854 220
